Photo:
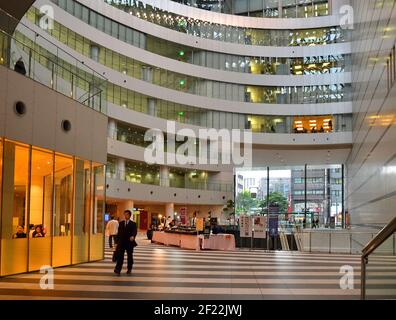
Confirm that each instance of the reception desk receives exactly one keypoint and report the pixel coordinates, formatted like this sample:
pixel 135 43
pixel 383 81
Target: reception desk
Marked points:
pixel 221 242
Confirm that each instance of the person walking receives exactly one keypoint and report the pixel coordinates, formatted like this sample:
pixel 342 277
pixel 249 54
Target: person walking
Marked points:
pixel 112 230
pixel 126 235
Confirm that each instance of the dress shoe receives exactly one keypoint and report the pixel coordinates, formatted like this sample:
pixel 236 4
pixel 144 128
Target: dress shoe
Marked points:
pixel 117 273
pixel 129 272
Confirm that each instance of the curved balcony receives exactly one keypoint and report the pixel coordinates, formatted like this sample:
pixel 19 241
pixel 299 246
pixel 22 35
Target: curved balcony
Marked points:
pixel 121 189
pixel 265 9
pixel 190 15
pixel 305 101
pixel 141 33
pixel 269 71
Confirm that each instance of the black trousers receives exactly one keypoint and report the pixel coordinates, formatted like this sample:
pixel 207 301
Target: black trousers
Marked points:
pixel 111 238
pixel 120 259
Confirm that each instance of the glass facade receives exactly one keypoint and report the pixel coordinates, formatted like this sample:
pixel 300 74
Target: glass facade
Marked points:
pixel 202 117
pixel 47 203
pixel 201 29
pixel 215 60
pixel 71 78
pixel 262 8
pixel 141 173
pixel 216 89
pixel 310 192
pixel 215 119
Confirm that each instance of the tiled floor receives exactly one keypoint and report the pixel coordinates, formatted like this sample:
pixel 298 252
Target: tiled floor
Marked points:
pixel 171 273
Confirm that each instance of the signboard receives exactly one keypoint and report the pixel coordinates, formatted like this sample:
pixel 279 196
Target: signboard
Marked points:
pixel 183 215
pixel 273 225
pixel 260 227
pixel 245 224
pixel 199 224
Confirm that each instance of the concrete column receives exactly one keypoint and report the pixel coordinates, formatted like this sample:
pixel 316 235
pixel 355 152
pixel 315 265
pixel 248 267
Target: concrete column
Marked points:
pixel 164 176
pixel 125 205
pixel 120 165
pixel 152 107
pixel 94 52
pixel 112 129
pixel 169 210
pixel 147 74
pixel 280 9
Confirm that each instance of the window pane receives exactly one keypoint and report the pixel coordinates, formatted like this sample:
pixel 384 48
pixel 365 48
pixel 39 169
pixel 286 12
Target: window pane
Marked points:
pixel 41 190
pixel 14 208
pixel 81 211
pixel 63 201
pixel 97 239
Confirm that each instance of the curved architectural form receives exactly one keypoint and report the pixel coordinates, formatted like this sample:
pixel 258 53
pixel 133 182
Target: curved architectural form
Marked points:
pixel 174 67
pixel 218 124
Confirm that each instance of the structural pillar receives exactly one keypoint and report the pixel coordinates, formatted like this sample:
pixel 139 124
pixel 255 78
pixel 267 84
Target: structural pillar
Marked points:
pixel 164 176
pixel 170 210
pixel 94 53
pixel 120 168
pixel 112 129
pixel 125 205
pixel 152 104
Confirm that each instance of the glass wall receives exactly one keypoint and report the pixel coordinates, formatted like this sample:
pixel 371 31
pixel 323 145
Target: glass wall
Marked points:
pixel 41 203
pixel 46 209
pixel 299 195
pixel 63 204
pixel 98 203
pixel 257 65
pixel 202 29
pixel 261 8
pixel 14 210
pixel 221 90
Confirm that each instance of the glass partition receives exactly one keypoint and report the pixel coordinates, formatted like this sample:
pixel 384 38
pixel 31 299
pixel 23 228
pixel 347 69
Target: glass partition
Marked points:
pixel 46 203
pixel 228 33
pixel 40 215
pixel 14 228
pixel 63 204
pixel 97 228
pixel 82 210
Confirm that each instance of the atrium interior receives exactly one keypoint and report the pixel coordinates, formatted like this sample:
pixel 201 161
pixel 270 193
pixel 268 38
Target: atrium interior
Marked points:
pixel 251 141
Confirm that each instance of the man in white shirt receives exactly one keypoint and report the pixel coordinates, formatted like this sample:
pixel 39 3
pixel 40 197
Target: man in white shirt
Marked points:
pixel 112 230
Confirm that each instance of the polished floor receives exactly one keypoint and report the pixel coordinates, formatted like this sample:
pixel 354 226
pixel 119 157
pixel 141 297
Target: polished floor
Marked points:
pixel 171 273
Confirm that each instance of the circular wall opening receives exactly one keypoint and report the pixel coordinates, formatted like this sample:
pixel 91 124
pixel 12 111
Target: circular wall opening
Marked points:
pixel 20 108
pixel 66 125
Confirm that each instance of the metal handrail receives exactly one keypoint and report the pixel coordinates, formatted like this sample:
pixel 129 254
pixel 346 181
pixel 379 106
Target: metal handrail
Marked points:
pixel 378 240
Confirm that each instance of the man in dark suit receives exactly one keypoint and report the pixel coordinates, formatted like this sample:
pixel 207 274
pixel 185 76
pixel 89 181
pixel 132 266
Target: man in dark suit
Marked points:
pixel 127 231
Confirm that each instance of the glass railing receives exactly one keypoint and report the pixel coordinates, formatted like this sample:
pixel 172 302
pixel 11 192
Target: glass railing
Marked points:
pixel 247 36
pixel 378 265
pixel 215 89
pixel 326 64
pixel 226 33
pixel 51 66
pixel 154 179
pixel 266 9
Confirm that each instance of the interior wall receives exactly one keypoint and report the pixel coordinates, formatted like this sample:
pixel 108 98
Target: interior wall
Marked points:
pixel 371 187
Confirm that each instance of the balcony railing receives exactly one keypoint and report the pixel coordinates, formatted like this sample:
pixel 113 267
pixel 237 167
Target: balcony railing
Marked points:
pixel 153 179
pixel 380 252
pixel 51 66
